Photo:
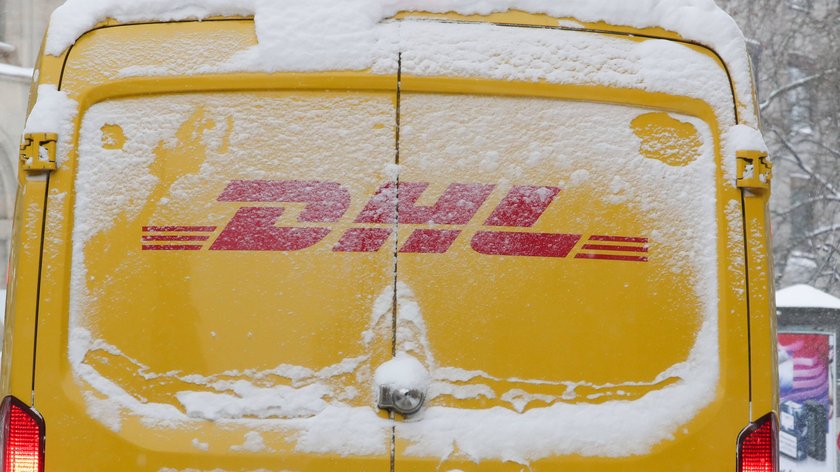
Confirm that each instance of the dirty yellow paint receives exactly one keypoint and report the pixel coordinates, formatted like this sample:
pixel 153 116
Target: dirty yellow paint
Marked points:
pixel 667 139
pixel 113 137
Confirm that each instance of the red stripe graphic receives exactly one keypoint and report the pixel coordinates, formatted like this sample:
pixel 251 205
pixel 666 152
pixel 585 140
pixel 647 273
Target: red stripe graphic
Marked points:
pixel 522 206
pixel 456 206
pixel 362 240
pixel 524 244
pixel 618 239
pixel 604 247
pixel 170 247
pixel 186 229
pixel 253 229
pixel 612 257
pixel 160 237
pixel 430 241
pixel 325 201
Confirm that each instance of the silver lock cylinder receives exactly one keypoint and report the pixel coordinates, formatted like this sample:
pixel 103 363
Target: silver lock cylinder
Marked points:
pixel 401 385
pixel 403 400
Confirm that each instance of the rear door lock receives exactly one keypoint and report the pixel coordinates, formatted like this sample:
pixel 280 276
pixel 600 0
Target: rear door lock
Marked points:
pixel 403 400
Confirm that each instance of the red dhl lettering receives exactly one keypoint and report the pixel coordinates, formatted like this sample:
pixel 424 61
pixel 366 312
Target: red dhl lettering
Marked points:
pixel 254 228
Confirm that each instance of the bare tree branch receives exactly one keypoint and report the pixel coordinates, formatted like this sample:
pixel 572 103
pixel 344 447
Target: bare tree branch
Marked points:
pixel 822 231
pixel 823 146
pixel 803 203
pixel 804 167
pixel 795 84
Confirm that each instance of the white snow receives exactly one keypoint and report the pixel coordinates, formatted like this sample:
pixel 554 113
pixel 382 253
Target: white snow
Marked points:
pixel 520 399
pixel 253 443
pixel 198 444
pixel 559 57
pixel 586 429
pixel 351 34
pixel 745 138
pixel 72 19
pixel 736 138
pixel 805 296
pixel 403 371
pixel 247 400
pixel 53 112
pixel 735 244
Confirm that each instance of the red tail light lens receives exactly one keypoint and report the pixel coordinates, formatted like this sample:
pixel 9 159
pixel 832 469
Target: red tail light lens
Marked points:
pixel 758 446
pixel 22 437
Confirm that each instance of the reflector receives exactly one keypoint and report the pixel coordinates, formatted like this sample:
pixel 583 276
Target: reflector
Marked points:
pixel 22 437
pixel 758 446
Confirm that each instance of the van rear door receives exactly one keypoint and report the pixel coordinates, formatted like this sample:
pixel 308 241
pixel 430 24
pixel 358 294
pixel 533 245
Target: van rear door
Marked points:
pixel 565 266
pixel 569 256
pixel 199 320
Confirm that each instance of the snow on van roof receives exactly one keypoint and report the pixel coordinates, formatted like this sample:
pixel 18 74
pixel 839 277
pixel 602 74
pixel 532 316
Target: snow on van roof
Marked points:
pixel 348 34
pixel 805 296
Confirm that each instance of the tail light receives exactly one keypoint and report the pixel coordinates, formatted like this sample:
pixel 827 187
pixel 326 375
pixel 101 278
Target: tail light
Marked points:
pixel 22 437
pixel 758 446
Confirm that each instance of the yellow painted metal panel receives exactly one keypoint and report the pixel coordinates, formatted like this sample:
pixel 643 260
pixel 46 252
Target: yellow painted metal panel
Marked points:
pixel 157 315
pixel 22 291
pixel 494 321
pixel 764 365
pixel 547 329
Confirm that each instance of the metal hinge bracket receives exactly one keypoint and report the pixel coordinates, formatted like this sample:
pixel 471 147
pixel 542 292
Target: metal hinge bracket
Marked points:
pixel 754 170
pixel 37 152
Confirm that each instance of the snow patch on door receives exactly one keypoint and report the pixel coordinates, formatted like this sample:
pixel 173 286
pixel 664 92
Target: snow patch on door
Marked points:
pixel 616 428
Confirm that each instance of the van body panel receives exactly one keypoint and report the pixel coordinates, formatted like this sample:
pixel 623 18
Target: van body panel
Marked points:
pixel 193 131
pixel 19 330
pixel 536 320
pixel 534 361
pixel 434 197
pixel 764 363
pixel 159 352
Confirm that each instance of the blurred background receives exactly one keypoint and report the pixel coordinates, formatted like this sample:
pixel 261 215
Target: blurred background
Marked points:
pixel 22 24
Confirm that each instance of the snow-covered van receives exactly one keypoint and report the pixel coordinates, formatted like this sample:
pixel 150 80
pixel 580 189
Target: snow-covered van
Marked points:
pixel 369 235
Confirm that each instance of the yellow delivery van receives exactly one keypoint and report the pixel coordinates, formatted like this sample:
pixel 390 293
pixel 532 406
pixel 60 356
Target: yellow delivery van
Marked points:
pixel 373 236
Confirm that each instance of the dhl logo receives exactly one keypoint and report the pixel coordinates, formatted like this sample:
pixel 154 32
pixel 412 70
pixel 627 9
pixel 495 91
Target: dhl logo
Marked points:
pixel 254 228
